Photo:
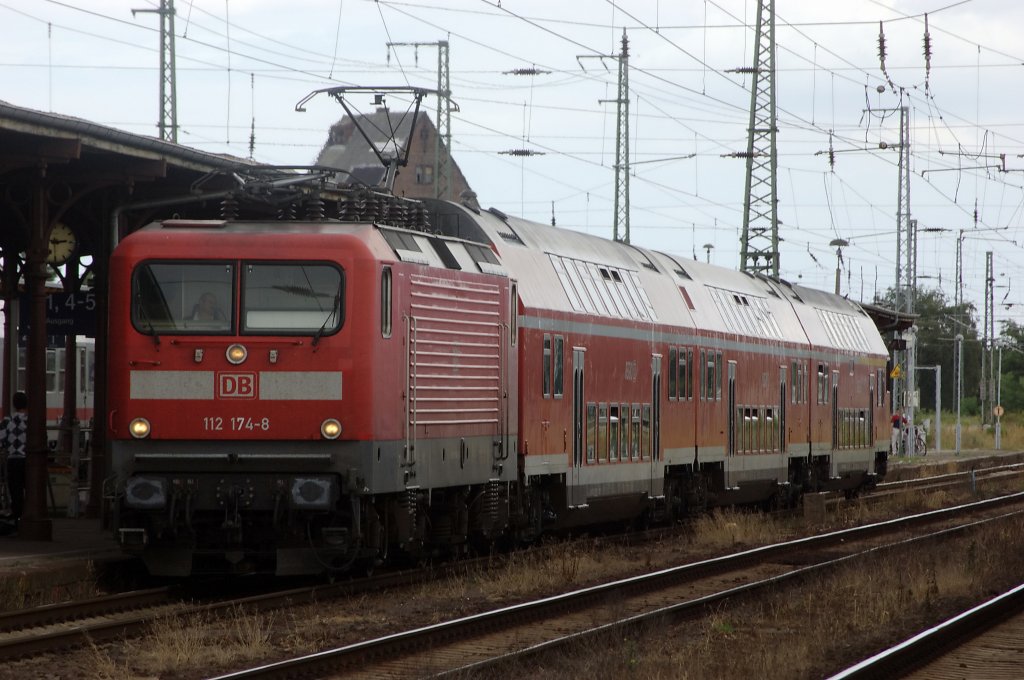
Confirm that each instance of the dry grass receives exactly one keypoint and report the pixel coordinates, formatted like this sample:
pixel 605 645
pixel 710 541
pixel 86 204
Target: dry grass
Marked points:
pixel 193 643
pixel 555 568
pixel 728 529
pixel 33 588
pixel 193 647
pixel 808 632
pixel 975 435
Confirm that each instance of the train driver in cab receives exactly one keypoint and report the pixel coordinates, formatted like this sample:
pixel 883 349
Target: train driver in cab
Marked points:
pixel 207 309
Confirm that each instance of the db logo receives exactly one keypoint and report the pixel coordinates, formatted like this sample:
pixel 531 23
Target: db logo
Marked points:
pixel 236 385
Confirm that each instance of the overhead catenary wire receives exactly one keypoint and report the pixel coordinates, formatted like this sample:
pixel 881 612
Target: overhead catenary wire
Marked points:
pixel 659 102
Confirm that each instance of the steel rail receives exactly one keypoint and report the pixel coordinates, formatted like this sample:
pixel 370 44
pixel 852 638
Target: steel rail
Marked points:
pixel 358 654
pixel 81 609
pixel 951 476
pixel 697 606
pixel 934 642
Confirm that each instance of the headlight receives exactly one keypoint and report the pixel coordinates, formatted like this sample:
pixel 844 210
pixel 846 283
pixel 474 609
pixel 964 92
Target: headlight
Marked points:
pixel 330 429
pixel 146 493
pixel 139 428
pixel 236 354
pixel 313 493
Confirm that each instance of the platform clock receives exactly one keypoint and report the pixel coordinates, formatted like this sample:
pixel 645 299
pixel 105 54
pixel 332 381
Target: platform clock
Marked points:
pixel 61 245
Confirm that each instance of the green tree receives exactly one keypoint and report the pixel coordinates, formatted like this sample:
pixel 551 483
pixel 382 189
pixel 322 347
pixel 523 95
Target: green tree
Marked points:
pixel 938 322
pixel 1011 388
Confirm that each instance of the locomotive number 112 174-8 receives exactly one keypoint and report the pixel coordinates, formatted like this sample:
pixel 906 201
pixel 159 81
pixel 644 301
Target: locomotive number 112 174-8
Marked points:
pixel 235 424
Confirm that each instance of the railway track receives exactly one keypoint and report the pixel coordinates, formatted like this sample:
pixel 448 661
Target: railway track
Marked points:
pixel 984 641
pixel 505 635
pixel 67 625
pixel 953 479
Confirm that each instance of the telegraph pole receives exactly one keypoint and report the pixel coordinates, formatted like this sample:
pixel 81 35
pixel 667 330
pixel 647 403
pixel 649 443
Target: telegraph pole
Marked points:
pixel 759 244
pixel 168 80
pixel 443 139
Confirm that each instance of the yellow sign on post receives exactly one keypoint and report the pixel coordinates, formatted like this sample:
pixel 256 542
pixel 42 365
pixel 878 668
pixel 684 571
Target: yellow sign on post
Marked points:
pixel 896 372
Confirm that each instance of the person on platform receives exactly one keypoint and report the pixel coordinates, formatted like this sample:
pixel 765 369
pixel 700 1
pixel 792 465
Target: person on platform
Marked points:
pixel 898 421
pixel 13 444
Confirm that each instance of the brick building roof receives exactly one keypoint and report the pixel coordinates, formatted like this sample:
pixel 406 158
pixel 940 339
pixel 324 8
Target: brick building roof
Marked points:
pixel 347 149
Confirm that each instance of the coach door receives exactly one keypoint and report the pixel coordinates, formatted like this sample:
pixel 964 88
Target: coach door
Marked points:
pixel 657 488
pixel 835 410
pixel 871 410
pixel 781 415
pixel 731 407
pixel 577 496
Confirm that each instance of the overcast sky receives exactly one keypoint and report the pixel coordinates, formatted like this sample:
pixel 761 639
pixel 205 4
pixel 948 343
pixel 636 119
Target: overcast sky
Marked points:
pixel 248 62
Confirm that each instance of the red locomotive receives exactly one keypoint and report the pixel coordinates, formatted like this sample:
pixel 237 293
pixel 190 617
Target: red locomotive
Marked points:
pixel 417 377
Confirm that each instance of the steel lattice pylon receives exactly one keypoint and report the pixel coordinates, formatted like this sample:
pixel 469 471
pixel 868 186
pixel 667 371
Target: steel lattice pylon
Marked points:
pixel 906 242
pixel 759 246
pixel 443 139
pixel 906 270
pixel 621 230
pixel 168 88
pixel 988 381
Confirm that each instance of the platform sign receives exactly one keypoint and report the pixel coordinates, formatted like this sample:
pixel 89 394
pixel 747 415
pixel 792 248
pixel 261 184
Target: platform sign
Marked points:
pixel 66 314
pixel 52 341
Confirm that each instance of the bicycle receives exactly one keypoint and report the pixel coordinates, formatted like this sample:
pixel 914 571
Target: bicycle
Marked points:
pixel 920 441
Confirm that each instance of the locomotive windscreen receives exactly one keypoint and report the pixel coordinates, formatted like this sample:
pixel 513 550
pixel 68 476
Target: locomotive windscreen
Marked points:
pixel 179 297
pixel 199 298
pixel 292 297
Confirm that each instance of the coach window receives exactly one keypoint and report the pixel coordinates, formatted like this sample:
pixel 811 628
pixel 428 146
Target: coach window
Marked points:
pixel 513 310
pixel 624 431
pixel 166 298
pixel 22 368
pixel 613 432
pixel 85 370
pixel 292 298
pixel 385 302
pixel 54 374
pixel 635 432
pixel 546 367
pixel 805 388
pixel 591 431
pixel 687 372
pixel 718 376
pixel 602 433
pixel 645 433
pixel 703 376
pixel 559 387
pixel 709 375
pixel 673 369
